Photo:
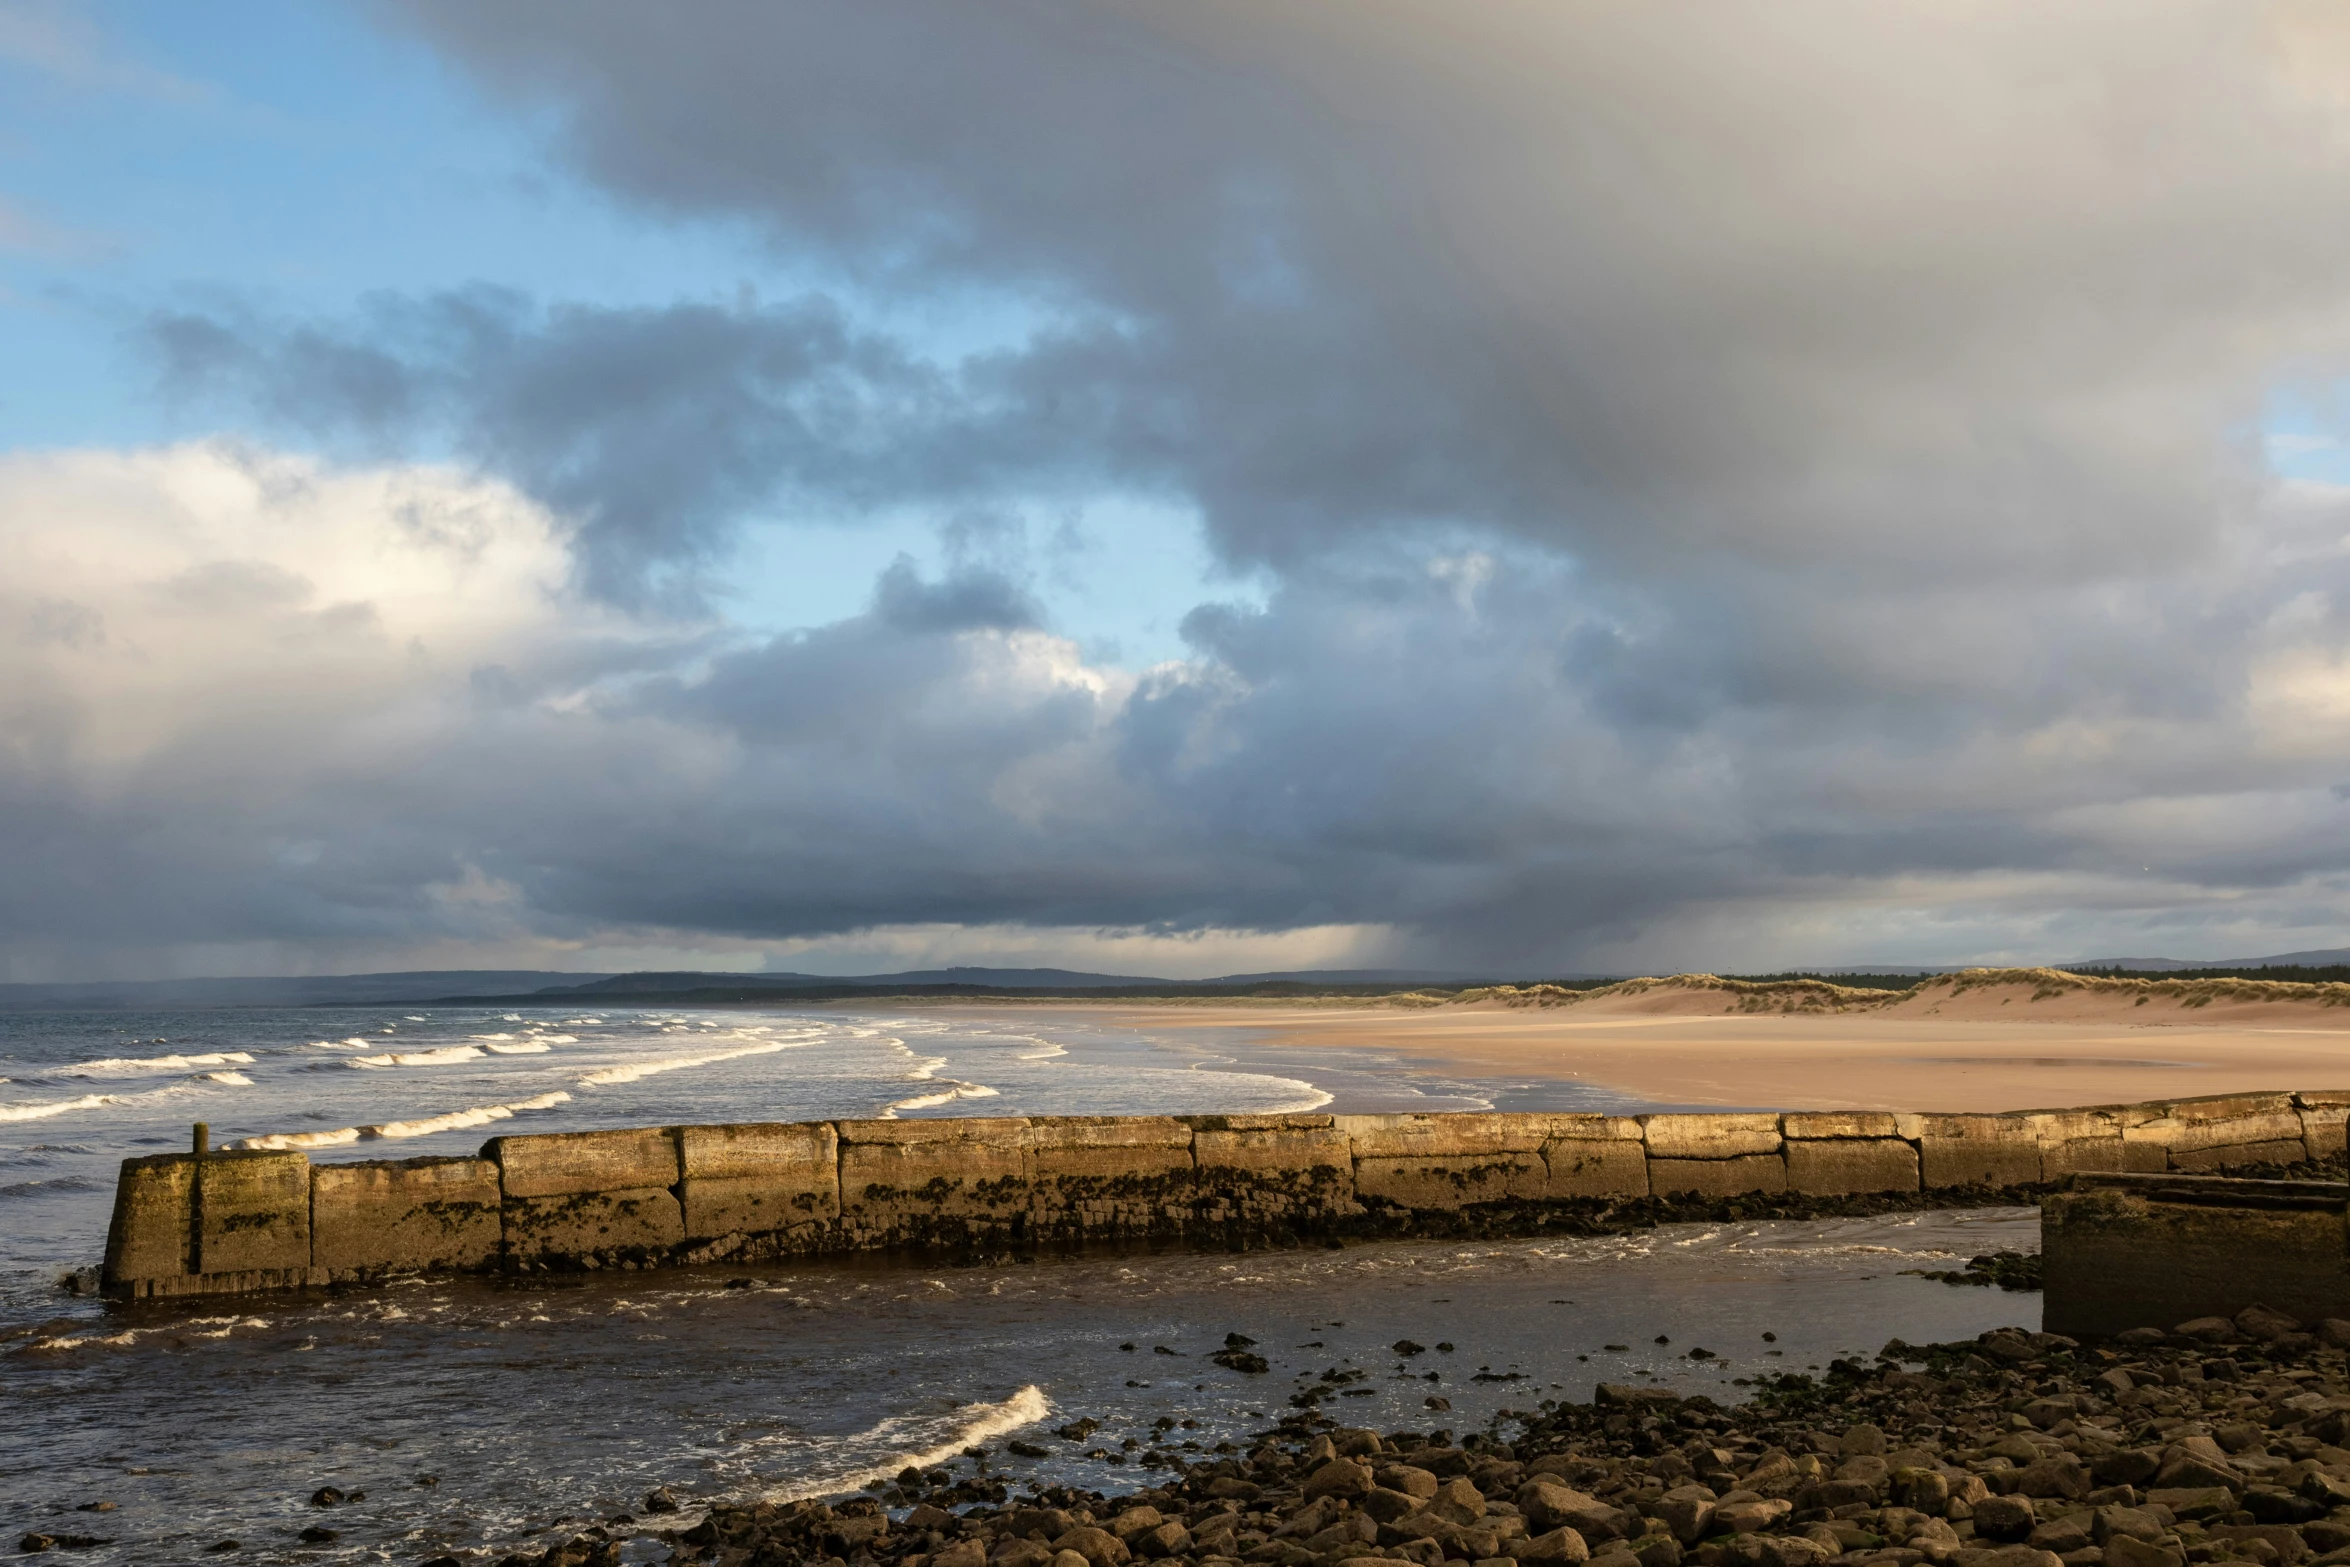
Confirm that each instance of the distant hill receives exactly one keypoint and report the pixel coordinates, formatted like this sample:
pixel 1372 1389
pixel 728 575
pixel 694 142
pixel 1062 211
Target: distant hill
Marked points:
pixel 2322 957
pixel 156 995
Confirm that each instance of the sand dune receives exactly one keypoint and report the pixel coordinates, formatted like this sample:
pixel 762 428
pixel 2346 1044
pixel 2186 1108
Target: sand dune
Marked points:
pixel 2003 1039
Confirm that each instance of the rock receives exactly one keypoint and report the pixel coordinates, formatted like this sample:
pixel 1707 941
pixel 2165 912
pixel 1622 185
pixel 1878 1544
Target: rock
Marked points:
pixel 1340 1477
pixel 1126 1525
pixel 1862 1441
pixel 1688 1510
pixel 1750 1517
pixel 2194 1503
pixel 2004 1517
pixel 1927 1490
pixel 1068 1559
pixel 2113 1383
pixel 2136 1522
pixel 326 1496
pixel 1547 1505
pixel 1168 1539
pixel 2125 1550
pixel 2059 1535
pixel 2334 1332
pixel 314 1535
pixel 2184 1471
pixel 2126 1466
pixel 1387 1506
pixel 2060 1475
pixel 2214 1330
pixel 1458 1501
pixel 963 1553
pixel 1657 1550
pixel 2264 1325
pixel 1794 1550
pixel 1410 1480
pixel 660 1499
pixel 1354 1442
pixel 2287 1543
pixel 1556 1545
pixel 1099 1547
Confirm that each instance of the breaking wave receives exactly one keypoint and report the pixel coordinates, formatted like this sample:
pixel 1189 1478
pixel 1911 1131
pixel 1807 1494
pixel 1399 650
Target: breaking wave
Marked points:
pixel 424 1126
pixel 608 1076
pixel 947 1092
pixel 924 1441
pixel 446 1055
pixel 156 1066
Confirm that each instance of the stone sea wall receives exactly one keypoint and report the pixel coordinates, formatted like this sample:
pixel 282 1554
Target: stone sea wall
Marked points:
pixel 224 1223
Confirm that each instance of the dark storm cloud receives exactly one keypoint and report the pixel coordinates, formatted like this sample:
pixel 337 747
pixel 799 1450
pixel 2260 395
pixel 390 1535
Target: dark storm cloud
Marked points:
pixel 1784 480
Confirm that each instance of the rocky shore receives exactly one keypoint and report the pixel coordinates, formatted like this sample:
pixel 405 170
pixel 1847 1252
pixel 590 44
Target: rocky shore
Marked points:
pixel 2218 1441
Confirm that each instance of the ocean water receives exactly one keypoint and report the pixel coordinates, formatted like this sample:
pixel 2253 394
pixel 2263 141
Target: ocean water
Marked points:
pixel 479 1414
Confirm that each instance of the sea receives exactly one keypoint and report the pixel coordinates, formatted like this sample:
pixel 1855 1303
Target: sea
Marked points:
pixel 482 1416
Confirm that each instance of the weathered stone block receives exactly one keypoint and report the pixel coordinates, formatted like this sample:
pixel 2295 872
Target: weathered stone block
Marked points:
pixel 2191 1133
pixel 1595 1156
pixel 2324 1114
pixel 1272 1163
pixel 1447 1162
pixel 405 1215
pixel 895 1173
pixel 757 1178
pixel 1839 1123
pixel 253 1211
pixel 1754 1172
pixel 2238 1156
pixel 2116 1259
pixel 642 1223
pixel 560 1164
pixel 1717 1136
pixel 1846 1166
pixel 2075 1142
pixel 154 1221
pixel 1973 1150
pixel 1109 1174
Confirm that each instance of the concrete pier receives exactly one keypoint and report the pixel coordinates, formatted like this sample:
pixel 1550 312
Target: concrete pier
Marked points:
pixel 222 1223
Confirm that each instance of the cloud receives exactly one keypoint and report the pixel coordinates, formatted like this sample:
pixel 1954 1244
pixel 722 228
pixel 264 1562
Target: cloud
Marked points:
pixel 1732 486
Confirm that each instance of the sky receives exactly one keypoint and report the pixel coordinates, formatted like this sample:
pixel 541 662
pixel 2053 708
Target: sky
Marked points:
pixel 1517 486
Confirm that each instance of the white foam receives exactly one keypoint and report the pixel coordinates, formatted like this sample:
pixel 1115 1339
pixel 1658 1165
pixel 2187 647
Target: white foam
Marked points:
pixel 630 1073
pixel 947 1095
pixel 359 1040
pixel 921 1441
pixel 490 1036
pixel 156 1066
pixel 40 1112
pixel 425 1126
pixel 558 1039
pixel 233 1079
pixel 521 1048
pixel 447 1055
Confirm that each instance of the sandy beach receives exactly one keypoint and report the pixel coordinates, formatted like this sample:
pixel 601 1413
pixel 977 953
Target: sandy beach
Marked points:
pixel 1997 1046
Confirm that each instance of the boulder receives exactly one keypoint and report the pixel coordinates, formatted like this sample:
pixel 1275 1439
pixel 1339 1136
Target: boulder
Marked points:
pixel 1555 1545
pixel 1339 1477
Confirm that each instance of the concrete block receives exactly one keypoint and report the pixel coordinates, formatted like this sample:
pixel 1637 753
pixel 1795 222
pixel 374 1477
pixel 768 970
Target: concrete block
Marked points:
pixel 1839 1123
pixel 1847 1166
pixel 757 1178
pixel 2188 1131
pixel 154 1221
pixel 563 1164
pixel 1716 1136
pixel 1101 1174
pixel 2075 1142
pixel 1447 1162
pixel 893 1172
pixel 253 1212
pixel 1271 1145
pixel 640 1223
pixel 2115 1260
pixel 1973 1150
pixel 2324 1113
pixel 1754 1172
pixel 405 1215
pixel 1596 1166
pixel 2238 1156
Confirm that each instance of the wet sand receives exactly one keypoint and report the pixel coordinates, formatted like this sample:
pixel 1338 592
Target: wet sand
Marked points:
pixel 1996 1048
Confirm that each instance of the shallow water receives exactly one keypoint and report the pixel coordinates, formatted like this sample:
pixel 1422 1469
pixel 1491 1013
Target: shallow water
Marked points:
pixel 531 1405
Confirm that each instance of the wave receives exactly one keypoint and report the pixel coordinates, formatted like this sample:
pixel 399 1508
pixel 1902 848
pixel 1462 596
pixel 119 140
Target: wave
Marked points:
pixel 41 1112
pixel 233 1079
pixel 924 1441
pixel 446 1055
pixel 611 1075
pixel 947 1094
pixel 155 1066
pixel 63 1183
pixel 424 1126
pixel 193 1327
pixel 528 1047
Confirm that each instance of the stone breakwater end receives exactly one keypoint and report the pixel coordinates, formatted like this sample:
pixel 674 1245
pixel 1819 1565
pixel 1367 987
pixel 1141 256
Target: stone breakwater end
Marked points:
pixel 226 1223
